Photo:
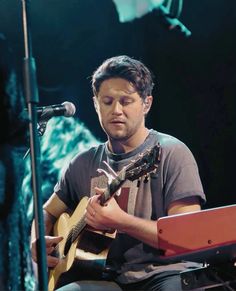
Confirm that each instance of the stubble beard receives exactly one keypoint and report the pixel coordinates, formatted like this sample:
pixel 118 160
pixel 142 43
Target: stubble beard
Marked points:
pixel 118 135
pixel 121 136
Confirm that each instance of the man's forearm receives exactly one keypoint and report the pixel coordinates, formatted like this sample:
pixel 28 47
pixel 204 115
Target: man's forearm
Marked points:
pixel 142 229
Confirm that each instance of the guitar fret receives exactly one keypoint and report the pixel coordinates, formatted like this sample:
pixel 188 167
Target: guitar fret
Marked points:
pixel 78 228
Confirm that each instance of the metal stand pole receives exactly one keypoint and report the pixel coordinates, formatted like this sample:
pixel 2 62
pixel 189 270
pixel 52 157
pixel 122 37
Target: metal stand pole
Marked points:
pixel 31 93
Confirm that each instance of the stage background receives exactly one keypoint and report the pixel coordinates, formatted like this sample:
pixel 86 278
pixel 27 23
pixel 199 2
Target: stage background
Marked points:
pixel 194 95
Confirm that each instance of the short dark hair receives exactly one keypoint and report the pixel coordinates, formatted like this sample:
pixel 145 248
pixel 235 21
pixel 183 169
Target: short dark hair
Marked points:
pixel 126 68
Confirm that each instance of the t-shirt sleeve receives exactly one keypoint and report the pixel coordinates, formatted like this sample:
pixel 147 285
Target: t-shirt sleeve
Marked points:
pixel 74 181
pixel 63 187
pixel 181 175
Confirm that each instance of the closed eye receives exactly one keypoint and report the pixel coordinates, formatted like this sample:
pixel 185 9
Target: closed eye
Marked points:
pixel 126 101
pixel 107 100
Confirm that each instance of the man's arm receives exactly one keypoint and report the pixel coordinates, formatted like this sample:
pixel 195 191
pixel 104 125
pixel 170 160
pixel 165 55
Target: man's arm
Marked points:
pixel 52 209
pixel 146 230
pixel 112 216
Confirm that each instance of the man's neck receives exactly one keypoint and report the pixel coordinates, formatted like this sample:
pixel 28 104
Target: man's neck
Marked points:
pixel 127 145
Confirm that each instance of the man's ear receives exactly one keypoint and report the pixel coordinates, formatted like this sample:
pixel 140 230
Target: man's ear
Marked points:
pixel 95 103
pixel 147 104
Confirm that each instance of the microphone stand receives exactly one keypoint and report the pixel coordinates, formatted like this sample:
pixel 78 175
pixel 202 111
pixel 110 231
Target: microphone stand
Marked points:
pixel 31 93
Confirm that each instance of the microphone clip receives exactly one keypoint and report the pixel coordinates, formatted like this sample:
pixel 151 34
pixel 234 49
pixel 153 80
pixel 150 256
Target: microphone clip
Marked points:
pixel 41 126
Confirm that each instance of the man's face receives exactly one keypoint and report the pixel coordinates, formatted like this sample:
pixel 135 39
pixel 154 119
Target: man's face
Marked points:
pixel 120 108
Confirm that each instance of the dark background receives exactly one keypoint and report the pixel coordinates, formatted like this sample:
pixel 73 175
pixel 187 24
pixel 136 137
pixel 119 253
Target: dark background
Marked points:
pixel 194 96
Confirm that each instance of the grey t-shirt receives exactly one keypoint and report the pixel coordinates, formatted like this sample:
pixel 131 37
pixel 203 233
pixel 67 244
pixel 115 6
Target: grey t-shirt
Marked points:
pixel 176 178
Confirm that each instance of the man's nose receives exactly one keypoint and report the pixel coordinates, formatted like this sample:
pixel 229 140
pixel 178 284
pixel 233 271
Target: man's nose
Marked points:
pixel 117 108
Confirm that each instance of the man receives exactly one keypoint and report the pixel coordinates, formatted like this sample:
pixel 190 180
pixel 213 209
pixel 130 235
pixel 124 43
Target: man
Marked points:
pixel 122 89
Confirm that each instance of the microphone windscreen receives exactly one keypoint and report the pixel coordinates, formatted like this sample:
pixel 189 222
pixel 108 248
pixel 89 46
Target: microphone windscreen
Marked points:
pixel 70 108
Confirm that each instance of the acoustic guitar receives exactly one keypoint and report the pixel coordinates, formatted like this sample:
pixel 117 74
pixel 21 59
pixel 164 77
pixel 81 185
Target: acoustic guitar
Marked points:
pixel 73 227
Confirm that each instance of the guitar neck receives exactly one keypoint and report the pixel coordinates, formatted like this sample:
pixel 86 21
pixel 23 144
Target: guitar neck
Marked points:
pixel 111 189
pixel 75 232
pixel 146 163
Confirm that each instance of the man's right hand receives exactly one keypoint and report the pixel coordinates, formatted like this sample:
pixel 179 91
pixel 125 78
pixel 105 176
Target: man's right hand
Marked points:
pixel 51 243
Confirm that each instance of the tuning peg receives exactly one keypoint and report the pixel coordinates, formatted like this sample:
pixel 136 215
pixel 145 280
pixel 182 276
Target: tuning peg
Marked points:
pixel 154 171
pixel 146 179
pixel 138 182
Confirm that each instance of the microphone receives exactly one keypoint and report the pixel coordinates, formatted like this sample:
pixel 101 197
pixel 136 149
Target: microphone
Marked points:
pixel 66 109
pixel 171 22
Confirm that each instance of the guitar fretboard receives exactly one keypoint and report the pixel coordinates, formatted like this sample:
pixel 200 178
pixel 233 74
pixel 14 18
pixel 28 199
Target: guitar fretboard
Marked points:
pixel 74 233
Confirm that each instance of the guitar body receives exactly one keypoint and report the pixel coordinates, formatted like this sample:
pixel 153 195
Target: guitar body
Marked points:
pixel 62 227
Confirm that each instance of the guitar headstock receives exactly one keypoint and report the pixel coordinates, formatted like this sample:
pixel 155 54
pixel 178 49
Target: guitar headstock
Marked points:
pixel 147 162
